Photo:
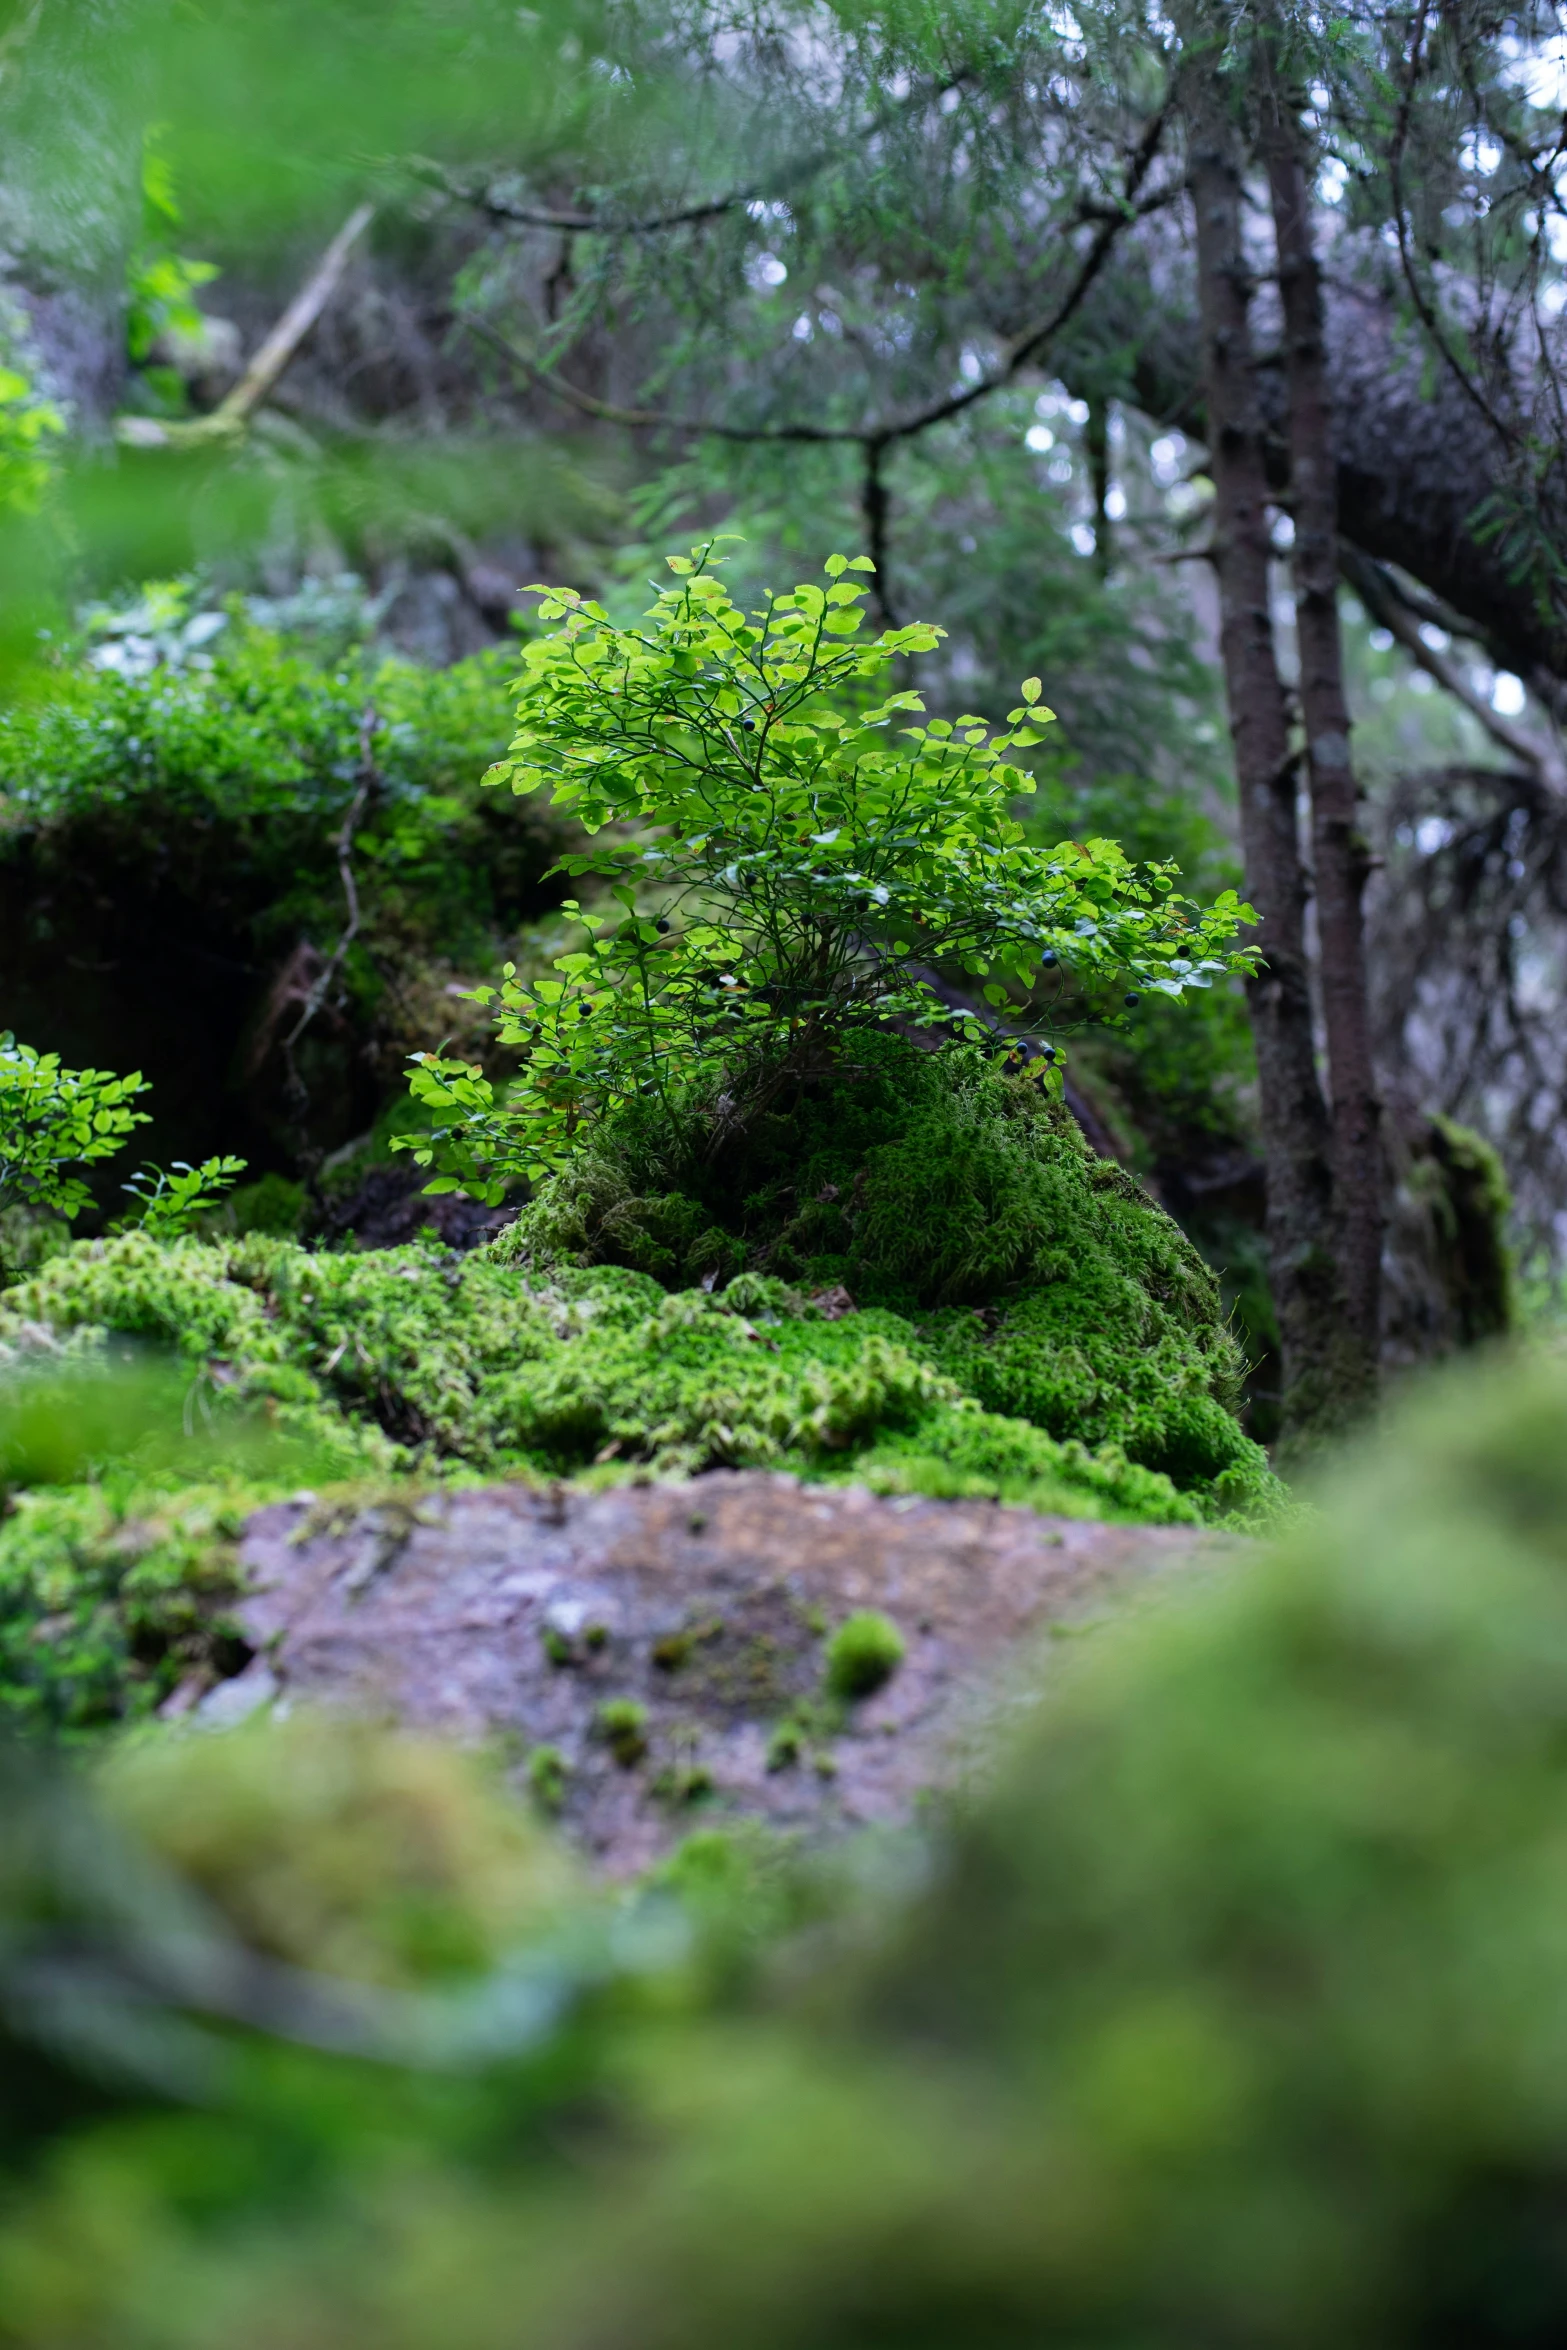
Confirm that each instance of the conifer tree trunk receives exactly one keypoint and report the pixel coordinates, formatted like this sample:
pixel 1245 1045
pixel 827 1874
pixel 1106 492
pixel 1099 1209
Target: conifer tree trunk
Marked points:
pixel 1295 1126
pixel 1339 857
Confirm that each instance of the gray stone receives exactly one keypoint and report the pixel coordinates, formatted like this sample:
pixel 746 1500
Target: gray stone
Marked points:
pixel 516 1613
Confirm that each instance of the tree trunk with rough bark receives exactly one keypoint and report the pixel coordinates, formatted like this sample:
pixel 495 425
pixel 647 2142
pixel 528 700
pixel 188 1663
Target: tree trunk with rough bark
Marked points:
pixel 1295 1127
pixel 1414 472
pixel 1339 853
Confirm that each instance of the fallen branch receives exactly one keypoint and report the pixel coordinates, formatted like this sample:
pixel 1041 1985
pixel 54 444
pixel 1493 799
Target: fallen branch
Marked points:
pixel 229 419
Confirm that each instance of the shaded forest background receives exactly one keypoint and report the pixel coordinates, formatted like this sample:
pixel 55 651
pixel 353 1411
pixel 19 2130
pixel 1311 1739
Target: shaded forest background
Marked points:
pixel 1200 362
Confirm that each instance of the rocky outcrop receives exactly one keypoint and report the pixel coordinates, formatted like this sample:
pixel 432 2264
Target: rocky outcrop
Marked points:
pixel 655 1656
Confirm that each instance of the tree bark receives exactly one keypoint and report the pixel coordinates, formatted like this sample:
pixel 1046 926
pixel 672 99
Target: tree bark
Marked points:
pixel 1295 1129
pixel 1339 853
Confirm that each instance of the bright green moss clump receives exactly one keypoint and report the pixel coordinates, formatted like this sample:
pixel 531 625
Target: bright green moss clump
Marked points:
pixel 1037 1277
pixel 864 1652
pixel 414 1357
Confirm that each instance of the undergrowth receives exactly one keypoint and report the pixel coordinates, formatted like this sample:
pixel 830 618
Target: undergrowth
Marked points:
pixel 233 777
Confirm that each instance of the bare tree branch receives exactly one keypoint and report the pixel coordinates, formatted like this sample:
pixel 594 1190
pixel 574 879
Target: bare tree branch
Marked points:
pixel 1385 600
pixel 1017 352
pixel 369 780
pixel 586 224
pixel 655 419
pixel 1417 293
pixel 788 175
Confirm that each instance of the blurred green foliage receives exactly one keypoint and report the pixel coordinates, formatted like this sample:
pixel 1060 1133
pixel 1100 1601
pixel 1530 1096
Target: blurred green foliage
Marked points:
pixel 162 283
pixel 29 427
pixel 1228 2013
pixel 235 765
pixel 328 1844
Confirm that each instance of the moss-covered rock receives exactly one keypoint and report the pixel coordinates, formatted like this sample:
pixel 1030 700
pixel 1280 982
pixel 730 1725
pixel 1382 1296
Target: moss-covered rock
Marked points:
pixel 920 1279
pixel 1226 2014
pixel 412 1358
pixel 1103 1367
pixel 109 1596
pixel 1038 1277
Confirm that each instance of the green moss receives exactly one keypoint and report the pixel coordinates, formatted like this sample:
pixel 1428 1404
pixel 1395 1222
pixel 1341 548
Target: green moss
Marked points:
pixel 967 1454
pixel 863 1654
pixel 274 1205
pixel 1097 1376
pixel 110 1595
pixel 547 1775
pixel 1472 1213
pixel 786 1745
pixel 742 1884
pixel 1038 1278
pixel 622 1724
pixel 682 1781
pixel 331 1844
pixel 1232 1992
pixel 1220 2014
pixel 411 1353
pixel 676 1649
pixel 1029 1327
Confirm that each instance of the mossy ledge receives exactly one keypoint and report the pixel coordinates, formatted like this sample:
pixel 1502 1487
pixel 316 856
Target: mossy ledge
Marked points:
pixel 1026 1325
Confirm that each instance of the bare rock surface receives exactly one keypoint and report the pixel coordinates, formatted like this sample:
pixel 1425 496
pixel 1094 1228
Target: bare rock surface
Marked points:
pixel 548 1618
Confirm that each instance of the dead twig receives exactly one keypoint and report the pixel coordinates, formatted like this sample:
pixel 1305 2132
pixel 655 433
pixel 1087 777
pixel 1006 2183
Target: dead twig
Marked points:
pixel 369 777
pixel 296 1093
